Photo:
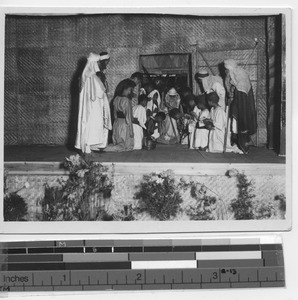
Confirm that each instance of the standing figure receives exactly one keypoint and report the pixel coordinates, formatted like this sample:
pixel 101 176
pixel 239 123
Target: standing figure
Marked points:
pixel 139 120
pixel 94 120
pixel 123 138
pixel 242 109
pixel 217 126
pixel 210 83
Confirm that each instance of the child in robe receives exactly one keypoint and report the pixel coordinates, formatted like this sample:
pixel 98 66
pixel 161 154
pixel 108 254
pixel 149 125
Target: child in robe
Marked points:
pixel 200 134
pixel 139 120
pixel 216 124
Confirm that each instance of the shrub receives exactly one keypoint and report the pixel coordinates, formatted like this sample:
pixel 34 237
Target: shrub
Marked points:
pixel 282 203
pixel 264 210
pixel 74 200
pixel 15 208
pixel 242 207
pixel 205 205
pixel 159 195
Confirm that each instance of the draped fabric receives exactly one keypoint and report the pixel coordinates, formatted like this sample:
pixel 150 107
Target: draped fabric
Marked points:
pixel 91 67
pixel 239 77
pixel 170 131
pixel 123 137
pixel 217 134
pixel 243 110
pixel 170 134
pixel 150 104
pixel 243 104
pixel 94 119
pixel 171 102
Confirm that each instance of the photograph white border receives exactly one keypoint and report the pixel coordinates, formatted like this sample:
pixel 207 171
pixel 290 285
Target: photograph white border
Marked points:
pixel 154 226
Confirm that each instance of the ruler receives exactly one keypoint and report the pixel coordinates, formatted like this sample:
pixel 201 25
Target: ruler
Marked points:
pixel 78 265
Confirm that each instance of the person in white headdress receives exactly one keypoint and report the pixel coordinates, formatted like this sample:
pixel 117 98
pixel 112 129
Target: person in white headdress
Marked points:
pixel 154 99
pixel 170 133
pixel 242 109
pixel 94 119
pixel 211 83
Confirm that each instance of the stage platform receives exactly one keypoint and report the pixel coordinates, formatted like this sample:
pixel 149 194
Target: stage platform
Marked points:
pixel 162 154
pixel 38 166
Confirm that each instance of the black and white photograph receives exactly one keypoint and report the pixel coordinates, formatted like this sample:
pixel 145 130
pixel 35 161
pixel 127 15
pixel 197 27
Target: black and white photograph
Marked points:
pixel 176 119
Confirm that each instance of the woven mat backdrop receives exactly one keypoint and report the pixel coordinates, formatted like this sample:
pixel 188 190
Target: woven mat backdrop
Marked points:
pixel 44 56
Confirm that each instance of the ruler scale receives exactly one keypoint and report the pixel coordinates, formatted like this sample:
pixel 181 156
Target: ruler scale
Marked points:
pixel 77 265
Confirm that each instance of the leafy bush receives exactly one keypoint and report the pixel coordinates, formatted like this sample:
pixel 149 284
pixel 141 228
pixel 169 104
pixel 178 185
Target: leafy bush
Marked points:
pixel 159 195
pixel 205 205
pixel 15 208
pixel 282 203
pixel 74 199
pixel 264 210
pixel 242 207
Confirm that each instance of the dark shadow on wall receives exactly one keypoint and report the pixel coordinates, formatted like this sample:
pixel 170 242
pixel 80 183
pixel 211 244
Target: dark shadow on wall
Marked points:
pixel 74 105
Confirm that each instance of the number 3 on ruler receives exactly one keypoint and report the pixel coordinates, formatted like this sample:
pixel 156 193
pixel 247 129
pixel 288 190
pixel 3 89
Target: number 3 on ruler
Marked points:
pixel 214 275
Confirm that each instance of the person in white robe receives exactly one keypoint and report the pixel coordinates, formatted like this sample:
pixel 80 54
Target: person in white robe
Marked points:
pixel 200 134
pixel 217 129
pixel 140 118
pixel 94 119
pixel 171 133
pixel 211 83
pixel 154 99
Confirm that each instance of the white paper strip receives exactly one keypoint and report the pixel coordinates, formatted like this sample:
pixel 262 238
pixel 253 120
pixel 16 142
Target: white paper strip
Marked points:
pixel 228 255
pixel 160 264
